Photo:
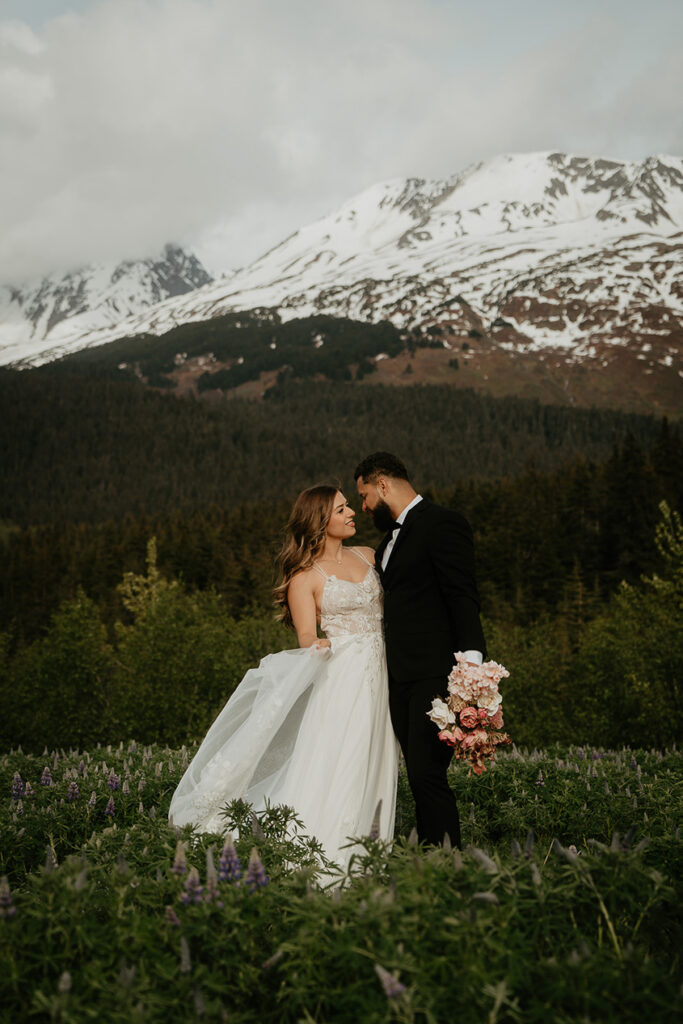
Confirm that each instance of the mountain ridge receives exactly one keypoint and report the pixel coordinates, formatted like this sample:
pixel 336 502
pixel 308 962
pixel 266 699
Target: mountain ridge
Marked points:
pixel 554 256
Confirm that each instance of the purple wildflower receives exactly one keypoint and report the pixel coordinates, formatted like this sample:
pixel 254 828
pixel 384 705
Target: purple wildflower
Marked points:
pixel 634 763
pixel 93 799
pixel 125 788
pixel 393 989
pixel 193 888
pixel 73 793
pixel 110 809
pixel 17 786
pixel 179 862
pixel 580 753
pixel 172 918
pixel 7 908
pixel 540 781
pixel 211 892
pixel 229 864
pixel 256 876
pixel 113 781
pixel 28 789
pixel 81 766
pixel 46 777
pixel 375 827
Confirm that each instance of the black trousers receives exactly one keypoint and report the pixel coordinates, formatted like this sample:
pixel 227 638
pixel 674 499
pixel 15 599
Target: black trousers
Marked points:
pixel 427 758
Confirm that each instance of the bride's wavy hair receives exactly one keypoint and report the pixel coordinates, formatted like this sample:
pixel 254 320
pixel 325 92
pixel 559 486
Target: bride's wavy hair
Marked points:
pixel 304 539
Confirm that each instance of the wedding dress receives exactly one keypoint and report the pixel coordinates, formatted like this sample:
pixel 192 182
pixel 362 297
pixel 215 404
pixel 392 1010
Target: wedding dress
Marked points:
pixel 308 728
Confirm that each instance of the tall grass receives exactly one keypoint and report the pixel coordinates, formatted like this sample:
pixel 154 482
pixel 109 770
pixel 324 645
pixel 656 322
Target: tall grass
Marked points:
pixel 562 906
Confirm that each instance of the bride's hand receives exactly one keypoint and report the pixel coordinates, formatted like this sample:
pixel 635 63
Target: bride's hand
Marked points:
pixel 322 647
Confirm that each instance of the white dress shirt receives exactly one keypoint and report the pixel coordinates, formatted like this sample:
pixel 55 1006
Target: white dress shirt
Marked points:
pixel 474 656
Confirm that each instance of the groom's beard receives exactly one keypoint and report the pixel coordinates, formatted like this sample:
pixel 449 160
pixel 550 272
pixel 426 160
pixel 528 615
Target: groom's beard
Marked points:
pixel 382 517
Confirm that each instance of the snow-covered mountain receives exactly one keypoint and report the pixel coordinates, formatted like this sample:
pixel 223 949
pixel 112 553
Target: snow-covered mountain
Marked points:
pixel 36 317
pixel 528 252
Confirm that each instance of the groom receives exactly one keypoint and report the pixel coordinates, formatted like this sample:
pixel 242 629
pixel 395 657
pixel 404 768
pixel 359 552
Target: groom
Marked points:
pixel 431 610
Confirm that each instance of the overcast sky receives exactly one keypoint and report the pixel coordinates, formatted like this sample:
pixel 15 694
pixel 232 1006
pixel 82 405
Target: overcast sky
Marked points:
pixel 125 124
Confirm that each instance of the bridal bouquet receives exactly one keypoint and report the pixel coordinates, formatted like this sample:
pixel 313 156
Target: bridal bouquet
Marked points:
pixel 470 719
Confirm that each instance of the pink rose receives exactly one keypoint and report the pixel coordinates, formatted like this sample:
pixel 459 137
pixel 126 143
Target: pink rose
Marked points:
pixel 469 717
pixel 447 737
pixel 483 715
pixel 458 734
pixel 496 721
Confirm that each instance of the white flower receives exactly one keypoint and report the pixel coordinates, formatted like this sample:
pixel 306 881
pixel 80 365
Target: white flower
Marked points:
pixel 491 700
pixel 441 714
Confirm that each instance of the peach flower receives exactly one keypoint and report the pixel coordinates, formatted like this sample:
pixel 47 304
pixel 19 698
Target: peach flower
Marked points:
pixel 469 717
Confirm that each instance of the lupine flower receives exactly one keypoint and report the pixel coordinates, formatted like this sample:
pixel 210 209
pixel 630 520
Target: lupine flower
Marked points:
pixel 64 983
pixel 211 879
pixel 255 876
pixel 375 827
pixel 93 799
pixel 540 781
pixel 19 809
pixel 113 781
pixel 185 963
pixel 179 862
pixel 634 763
pixel 393 988
pixel 110 808
pixel 229 864
pixel 73 793
pixel 17 786
pixel 172 918
pixel 7 908
pixel 125 788
pixel 141 785
pixel 28 789
pixel 81 766
pixel 256 829
pixel 193 888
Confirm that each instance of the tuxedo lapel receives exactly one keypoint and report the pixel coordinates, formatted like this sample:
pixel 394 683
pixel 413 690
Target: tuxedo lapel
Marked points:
pixel 379 554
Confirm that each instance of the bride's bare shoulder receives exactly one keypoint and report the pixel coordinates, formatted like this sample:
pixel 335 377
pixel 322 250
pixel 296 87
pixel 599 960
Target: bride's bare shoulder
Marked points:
pixel 367 553
pixel 304 580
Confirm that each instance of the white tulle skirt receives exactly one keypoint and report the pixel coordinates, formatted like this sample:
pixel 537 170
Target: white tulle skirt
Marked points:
pixel 307 729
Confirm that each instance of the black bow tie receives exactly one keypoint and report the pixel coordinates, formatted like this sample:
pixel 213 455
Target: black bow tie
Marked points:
pixel 396 526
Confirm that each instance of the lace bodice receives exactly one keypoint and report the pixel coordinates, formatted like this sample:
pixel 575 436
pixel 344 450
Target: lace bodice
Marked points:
pixel 348 608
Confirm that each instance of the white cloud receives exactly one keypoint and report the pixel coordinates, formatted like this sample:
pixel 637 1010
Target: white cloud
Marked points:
pixel 136 122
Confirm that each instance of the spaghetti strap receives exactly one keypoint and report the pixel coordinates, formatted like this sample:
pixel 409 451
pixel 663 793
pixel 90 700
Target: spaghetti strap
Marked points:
pixel 361 556
pixel 321 571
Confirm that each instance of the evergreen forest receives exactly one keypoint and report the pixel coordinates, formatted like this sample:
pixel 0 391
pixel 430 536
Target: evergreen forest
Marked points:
pixel 139 531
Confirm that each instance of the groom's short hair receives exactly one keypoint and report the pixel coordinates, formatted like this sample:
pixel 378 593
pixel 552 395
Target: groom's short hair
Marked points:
pixel 380 464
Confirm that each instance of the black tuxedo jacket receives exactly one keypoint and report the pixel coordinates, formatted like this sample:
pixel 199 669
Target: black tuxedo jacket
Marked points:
pixel 431 603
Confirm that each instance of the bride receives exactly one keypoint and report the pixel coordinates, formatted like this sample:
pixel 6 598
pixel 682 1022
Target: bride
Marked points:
pixel 309 727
